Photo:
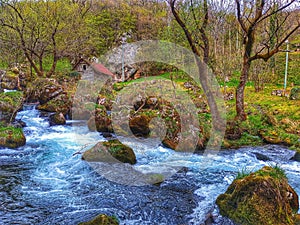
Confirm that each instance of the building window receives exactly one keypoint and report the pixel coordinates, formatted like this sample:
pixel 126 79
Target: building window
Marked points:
pixel 84 67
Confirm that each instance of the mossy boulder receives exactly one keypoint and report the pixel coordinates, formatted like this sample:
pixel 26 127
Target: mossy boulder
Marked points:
pixel 261 198
pixel 10 103
pixel 110 151
pixel 57 119
pixel 61 103
pixel 102 220
pixel 11 137
pixel 295 93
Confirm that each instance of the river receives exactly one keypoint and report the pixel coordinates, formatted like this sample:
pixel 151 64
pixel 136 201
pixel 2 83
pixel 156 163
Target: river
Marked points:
pixel 44 182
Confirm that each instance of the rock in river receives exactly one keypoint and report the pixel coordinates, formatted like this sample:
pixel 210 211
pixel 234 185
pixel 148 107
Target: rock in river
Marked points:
pixel 261 198
pixel 110 151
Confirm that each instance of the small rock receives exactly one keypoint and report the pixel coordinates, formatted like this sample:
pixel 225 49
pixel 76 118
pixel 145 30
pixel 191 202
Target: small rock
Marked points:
pixel 57 119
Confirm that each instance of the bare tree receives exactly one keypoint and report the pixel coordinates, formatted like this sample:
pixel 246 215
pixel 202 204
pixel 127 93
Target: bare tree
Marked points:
pixel 251 15
pixel 42 30
pixel 198 39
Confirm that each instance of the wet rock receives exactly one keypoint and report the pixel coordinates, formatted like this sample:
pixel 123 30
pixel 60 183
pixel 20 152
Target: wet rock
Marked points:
pixel 155 178
pixel 110 151
pixel 262 198
pixel 57 119
pixel 139 125
pixel 261 157
pixel 19 124
pixel 102 220
pixel 296 157
pixel 100 121
pixel 170 143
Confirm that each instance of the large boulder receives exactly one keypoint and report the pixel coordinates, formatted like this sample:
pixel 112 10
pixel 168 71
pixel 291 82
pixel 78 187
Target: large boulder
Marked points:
pixel 261 198
pixel 110 151
pixel 102 220
pixel 11 137
pixel 61 103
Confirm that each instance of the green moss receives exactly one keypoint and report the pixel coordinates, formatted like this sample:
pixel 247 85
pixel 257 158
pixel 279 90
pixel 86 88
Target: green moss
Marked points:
pixel 260 198
pixel 102 220
pixel 11 137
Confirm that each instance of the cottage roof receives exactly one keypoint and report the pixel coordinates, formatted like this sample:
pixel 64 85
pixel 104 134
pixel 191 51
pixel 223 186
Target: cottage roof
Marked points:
pixel 98 67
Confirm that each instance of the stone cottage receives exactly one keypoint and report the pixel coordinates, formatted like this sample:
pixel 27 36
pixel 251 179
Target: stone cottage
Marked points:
pixel 92 70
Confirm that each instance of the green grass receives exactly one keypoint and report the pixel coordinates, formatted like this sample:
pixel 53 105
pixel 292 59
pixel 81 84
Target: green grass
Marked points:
pixel 243 173
pixel 276 172
pixel 13 98
pixel 63 65
pixel 15 132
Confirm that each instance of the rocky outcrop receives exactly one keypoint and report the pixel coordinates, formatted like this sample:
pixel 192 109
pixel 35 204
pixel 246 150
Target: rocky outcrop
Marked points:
pixel 261 198
pixel 102 220
pixel 61 103
pixel 50 95
pixel 112 151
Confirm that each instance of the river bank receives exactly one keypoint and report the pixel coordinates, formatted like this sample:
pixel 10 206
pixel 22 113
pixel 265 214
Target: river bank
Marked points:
pixel 45 183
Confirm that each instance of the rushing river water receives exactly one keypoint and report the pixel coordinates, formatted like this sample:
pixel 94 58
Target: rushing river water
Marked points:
pixel 45 183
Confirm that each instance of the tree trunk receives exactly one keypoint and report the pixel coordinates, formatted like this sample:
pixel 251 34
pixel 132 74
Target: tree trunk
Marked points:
pixel 53 67
pixel 240 96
